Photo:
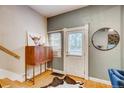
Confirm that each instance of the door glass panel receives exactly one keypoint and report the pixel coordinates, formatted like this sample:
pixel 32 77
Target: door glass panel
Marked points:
pixel 75 43
pixel 55 43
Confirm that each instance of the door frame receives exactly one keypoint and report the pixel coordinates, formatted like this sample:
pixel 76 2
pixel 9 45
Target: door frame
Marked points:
pixel 84 27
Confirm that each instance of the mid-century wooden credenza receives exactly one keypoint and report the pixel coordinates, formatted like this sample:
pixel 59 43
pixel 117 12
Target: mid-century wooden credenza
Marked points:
pixel 37 55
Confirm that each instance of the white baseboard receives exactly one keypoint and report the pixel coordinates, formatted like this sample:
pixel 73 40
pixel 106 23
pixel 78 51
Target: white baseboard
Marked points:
pixel 57 71
pixel 62 72
pixel 100 80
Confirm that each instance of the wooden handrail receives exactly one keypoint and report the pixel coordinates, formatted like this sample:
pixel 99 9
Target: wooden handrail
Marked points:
pixel 9 52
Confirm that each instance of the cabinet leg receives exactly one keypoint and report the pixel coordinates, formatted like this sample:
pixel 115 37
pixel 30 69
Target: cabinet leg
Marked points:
pixel 25 72
pixel 52 66
pixel 33 75
pixel 40 68
pixel 45 66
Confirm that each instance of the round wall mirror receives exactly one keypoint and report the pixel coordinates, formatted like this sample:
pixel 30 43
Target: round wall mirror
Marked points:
pixel 105 39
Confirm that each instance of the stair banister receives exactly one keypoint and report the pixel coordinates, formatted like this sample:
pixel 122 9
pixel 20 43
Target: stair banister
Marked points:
pixel 4 49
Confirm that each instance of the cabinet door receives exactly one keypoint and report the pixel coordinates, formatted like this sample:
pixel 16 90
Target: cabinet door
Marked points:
pixel 29 55
pixel 37 55
pixel 42 54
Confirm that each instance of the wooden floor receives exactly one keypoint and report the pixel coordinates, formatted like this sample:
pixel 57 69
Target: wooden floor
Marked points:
pixel 45 79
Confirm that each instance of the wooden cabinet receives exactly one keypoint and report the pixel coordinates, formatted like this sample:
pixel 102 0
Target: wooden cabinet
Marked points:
pixel 37 55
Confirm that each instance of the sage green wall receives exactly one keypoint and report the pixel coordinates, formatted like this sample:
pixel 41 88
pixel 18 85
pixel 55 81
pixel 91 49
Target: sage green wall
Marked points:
pixel 97 17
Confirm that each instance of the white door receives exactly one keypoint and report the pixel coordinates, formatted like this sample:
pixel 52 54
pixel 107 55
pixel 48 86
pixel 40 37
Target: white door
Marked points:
pixel 76 51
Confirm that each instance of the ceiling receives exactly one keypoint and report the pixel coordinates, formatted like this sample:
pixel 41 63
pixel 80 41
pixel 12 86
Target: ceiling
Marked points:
pixel 53 10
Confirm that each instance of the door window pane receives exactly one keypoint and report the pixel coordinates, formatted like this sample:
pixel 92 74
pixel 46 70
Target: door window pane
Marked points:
pixel 55 42
pixel 75 43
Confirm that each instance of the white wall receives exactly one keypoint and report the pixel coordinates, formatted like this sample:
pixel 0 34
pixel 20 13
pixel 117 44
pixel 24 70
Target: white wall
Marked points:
pixel 14 22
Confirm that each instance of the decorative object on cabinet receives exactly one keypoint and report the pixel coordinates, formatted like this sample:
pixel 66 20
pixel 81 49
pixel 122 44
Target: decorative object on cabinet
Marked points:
pixel 34 39
pixel 105 39
pixel 37 55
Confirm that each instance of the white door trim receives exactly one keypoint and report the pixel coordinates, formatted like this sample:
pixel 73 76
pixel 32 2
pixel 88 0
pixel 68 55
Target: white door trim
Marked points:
pixel 86 39
pixel 55 31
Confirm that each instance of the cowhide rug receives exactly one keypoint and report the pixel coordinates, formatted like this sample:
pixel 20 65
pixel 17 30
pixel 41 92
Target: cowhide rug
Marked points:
pixel 66 82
